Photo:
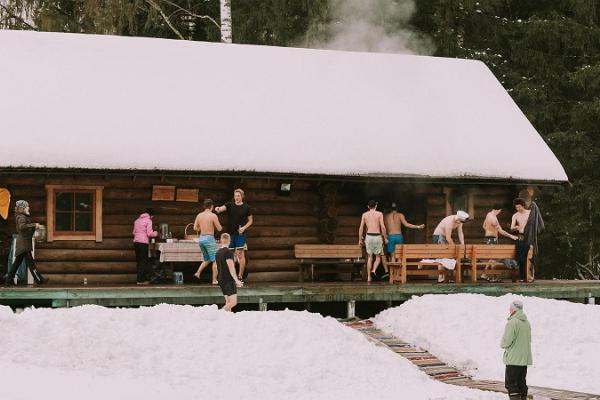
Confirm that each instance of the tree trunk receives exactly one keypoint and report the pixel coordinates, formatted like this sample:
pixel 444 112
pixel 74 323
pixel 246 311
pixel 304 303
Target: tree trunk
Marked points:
pixel 226 31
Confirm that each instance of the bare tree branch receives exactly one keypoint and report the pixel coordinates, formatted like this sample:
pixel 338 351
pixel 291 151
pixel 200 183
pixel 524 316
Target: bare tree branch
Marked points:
pixel 192 14
pixel 18 18
pixel 165 17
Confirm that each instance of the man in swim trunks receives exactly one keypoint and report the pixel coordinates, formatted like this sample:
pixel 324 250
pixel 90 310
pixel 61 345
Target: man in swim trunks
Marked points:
pixel 228 280
pixel 518 223
pixel 375 238
pixel 393 223
pixel 443 232
pixel 491 227
pixel 206 223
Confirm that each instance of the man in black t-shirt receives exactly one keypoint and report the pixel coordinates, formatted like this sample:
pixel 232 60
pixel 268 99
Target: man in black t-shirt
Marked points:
pixel 239 220
pixel 228 281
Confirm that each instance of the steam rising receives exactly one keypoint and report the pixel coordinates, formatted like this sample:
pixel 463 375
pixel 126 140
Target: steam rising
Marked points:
pixel 371 25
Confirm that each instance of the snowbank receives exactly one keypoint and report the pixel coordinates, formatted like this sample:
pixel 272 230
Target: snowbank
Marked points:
pixel 182 352
pixel 465 330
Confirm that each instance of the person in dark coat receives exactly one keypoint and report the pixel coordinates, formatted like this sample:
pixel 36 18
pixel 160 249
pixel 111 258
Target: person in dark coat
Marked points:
pixel 23 247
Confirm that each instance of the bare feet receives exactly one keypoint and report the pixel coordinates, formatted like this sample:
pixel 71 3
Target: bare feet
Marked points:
pixel 215 282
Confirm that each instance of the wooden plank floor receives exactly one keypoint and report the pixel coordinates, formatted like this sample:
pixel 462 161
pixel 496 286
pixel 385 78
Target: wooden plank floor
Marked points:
pixel 439 371
pixel 290 292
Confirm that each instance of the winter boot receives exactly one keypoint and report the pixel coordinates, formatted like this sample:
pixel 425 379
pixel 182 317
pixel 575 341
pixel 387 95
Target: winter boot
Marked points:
pixel 514 396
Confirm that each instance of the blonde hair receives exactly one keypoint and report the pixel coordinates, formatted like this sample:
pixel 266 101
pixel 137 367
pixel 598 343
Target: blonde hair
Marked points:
pixel 240 191
pixel 225 237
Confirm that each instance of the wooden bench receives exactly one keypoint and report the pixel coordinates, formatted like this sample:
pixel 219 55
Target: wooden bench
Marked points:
pixel 314 255
pixel 410 263
pixel 491 256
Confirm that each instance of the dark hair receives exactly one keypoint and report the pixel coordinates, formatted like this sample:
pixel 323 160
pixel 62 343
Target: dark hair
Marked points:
pixel 149 211
pixel 497 206
pixel 519 202
pixel 208 203
pixel 372 204
pixel 394 206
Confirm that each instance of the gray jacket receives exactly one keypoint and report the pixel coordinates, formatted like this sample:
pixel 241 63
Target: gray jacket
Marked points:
pixel 25 231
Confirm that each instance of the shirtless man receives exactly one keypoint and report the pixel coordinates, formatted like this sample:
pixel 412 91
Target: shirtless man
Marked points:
pixel 518 223
pixel 492 227
pixel 376 236
pixel 443 232
pixel 206 223
pixel 393 223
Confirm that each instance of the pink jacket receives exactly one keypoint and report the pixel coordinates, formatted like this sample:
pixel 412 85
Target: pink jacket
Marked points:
pixel 142 229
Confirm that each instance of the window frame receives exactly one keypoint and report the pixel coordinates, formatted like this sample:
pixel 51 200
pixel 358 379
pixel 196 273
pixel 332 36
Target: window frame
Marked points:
pixel 52 234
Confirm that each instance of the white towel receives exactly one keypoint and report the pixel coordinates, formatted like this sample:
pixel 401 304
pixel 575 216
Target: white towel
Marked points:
pixel 448 263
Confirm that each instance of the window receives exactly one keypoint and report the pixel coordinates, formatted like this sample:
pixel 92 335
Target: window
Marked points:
pixel 460 199
pixel 74 212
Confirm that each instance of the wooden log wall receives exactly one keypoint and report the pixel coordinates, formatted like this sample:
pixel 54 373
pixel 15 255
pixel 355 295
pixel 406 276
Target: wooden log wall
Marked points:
pixel 312 213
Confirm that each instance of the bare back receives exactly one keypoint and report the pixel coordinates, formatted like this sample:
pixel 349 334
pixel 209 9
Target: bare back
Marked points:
pixel 393 223
pixel 373 220
pixel 490 225
pixel 447 225
pixel 206 223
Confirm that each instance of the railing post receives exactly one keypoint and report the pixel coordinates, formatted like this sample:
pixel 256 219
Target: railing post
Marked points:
pixel 351 309
pixel 262 306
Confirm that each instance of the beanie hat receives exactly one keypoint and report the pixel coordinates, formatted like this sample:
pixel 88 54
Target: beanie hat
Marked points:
pixel 516 305
pixel 21 204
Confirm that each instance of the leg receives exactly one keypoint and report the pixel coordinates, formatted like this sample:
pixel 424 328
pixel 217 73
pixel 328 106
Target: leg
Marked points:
pixel 523 382
pixel 10 275
pixel 214 273
pixel 241 255
pixel 201 268
pixel 225 306
pixel 140 259
pixel 369 265
pixel 376 263
pixel 511 377
pixel 30 262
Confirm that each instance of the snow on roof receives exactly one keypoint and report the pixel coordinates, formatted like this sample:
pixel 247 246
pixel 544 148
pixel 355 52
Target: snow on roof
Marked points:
pixel 105 102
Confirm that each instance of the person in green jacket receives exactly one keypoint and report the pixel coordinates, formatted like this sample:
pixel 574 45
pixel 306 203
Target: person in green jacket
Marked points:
pixel 516 343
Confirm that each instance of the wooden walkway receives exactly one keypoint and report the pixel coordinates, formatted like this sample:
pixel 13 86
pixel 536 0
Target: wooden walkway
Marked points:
pixel 439 371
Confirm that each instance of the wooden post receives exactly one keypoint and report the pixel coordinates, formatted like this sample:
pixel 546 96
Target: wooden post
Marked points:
pixel 262 306
pixel 351 309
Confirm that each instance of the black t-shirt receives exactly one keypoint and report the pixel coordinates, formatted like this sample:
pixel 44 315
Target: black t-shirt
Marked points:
pixel 224 254
pixel 238 216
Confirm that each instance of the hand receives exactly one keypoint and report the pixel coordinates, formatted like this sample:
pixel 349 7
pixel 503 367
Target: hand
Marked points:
pixel 513 237
pixel 422 226
pixel 239 283
pixel 241 230
pixel 360 242
pixel 37 225
pixel 385 240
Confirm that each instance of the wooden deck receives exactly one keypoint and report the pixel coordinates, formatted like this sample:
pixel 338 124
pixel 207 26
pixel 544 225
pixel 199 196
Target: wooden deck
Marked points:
pixel 126 296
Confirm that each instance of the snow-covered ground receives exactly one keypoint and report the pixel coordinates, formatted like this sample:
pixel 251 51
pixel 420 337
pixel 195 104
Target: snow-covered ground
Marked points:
pixel 465 330
pixel 182 352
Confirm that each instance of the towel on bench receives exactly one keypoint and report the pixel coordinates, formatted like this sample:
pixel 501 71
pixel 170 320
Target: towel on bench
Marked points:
pixel 448 263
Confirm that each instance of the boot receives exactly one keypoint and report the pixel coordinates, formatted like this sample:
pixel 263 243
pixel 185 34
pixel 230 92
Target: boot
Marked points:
pixel 514 396
pixel 37 277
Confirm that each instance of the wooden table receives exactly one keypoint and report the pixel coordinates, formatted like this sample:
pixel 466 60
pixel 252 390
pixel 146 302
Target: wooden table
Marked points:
pixel 180 251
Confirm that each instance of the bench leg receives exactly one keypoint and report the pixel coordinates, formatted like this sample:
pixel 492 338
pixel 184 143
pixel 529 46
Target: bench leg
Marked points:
pixel 458 273
pixel 301 273
pixel 474 273
pixel 403 274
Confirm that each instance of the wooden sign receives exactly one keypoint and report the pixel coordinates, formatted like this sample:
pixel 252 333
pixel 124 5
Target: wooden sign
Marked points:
pixel 190 195
pixel 164 193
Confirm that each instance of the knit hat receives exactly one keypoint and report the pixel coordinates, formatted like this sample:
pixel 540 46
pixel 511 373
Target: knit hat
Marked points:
pixel 21 204
pixel 516 305
pixel 462 216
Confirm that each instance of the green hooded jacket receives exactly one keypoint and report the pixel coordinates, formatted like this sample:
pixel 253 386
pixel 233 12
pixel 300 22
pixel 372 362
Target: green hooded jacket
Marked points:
pixel 516 341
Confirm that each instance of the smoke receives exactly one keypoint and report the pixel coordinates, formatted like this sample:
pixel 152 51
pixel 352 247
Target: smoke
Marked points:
pixel 381 26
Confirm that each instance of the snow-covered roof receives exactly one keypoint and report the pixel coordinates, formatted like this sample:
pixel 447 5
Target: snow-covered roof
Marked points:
pixel 105 102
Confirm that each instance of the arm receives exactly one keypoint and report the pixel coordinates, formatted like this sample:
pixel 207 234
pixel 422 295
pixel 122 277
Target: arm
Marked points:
pixel 231 267
pixel 22 226
pixel 448 234
pixel 409 225
pixel 217 223
pixel 501 231
pixel 360 230
pixel 509 336
pixel 461 235
pixel 513 223
pixel 220 209
pixel 197 223
pixel 383 230
pixel 248 224
pixel 149 231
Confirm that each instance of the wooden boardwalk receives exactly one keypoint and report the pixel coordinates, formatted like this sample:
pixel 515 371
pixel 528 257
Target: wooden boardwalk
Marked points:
pixel 439 371
pixel 288 292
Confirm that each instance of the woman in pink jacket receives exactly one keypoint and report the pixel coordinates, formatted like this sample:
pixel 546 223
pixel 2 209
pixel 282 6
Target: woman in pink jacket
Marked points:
pixel 142 232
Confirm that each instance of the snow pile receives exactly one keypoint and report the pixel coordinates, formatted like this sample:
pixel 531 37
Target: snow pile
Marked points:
pixel 110 102
pixel 182 352
pixel 465 330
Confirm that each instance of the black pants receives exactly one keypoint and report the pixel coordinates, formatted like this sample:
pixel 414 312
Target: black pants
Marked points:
pixel 515 380
pixel 29 261
pixel 521 248
pixel 141 257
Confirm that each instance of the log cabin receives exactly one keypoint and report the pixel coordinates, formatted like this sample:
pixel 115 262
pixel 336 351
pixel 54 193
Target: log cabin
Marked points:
pixel 97 128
